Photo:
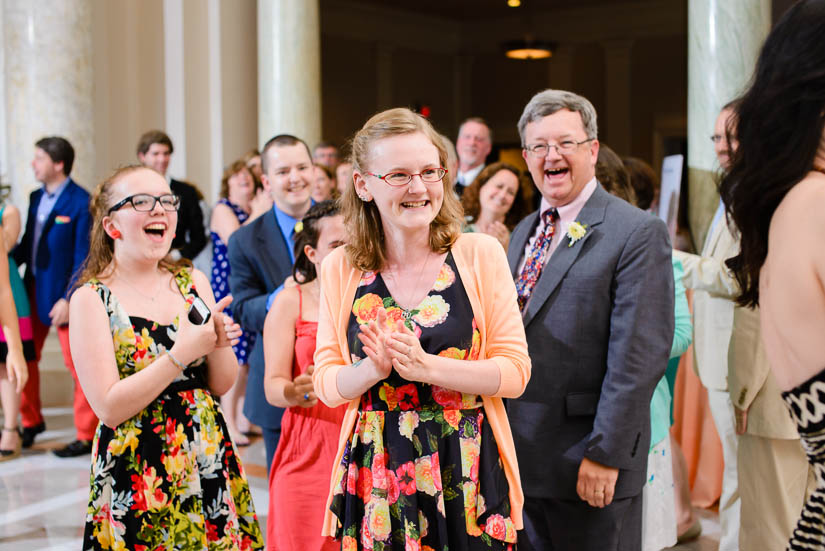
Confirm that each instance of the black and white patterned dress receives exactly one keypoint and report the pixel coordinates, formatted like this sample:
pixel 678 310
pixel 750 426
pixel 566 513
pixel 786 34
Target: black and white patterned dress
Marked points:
pixel 807 405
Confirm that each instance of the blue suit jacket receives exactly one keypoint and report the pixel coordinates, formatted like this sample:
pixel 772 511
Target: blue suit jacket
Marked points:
pixel 259 261
pixel 599 327
pixel 63 247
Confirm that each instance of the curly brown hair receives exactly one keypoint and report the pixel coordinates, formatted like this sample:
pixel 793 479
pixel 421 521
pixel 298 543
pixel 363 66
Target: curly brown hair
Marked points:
pixel 100 260
pixel 522 203
pixel 230 171
pixel 366 248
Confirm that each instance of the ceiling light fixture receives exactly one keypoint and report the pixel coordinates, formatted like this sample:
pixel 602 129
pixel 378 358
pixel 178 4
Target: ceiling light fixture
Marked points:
pixel 528 49
pixel 514 3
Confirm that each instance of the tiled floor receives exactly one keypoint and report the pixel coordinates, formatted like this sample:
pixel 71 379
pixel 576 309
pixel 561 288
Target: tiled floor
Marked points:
pixel 43 498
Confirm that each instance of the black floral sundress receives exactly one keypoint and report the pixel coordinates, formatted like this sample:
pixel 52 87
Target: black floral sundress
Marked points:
pixel 169 477
pixel 421 471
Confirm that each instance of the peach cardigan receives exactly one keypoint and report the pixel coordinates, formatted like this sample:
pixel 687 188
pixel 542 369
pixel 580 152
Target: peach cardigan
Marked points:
pixel 483 268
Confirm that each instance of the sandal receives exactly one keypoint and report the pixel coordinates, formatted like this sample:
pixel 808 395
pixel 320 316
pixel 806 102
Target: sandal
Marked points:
pixel 6 455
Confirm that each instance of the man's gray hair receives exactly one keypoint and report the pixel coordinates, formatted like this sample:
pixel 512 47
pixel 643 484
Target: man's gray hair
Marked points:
pixel 548 102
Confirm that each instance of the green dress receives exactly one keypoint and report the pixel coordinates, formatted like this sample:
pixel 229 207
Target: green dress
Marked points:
pixel 169 477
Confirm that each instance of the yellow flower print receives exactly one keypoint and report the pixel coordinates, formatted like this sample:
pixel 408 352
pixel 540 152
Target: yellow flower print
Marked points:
pixel 445 278
pixel 371 426
pixel 424 475
pixel 366 308
pixel 432 311
pixel 378 512
pixel 454 353
pixel 124 440
pixel 175 463
pixel 470 493
pixel 407 423
pixel 423 525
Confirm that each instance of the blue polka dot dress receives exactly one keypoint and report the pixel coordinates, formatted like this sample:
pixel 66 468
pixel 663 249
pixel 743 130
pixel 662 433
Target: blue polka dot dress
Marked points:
pixel 220 279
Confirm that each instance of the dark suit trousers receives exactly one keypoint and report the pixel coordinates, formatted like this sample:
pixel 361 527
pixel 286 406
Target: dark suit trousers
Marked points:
pixel 565 525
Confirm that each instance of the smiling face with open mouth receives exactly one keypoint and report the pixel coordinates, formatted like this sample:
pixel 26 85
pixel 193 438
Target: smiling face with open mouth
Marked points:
pixel 406 207
pixel 560 178
pixel 145 233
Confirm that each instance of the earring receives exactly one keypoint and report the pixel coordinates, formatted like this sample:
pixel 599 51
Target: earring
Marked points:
pixel 115 234
pixel 365 198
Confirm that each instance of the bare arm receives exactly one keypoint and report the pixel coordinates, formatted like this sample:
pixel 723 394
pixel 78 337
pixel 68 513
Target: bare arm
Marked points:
pixel 11 226
pixel 15 362
pixel 222 365
pixel 279 349
pixel 224 222
pixel 115 400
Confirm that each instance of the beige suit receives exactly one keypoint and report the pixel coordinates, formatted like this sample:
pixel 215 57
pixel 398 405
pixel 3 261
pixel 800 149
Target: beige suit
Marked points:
pixel 714 289
pixel 772 472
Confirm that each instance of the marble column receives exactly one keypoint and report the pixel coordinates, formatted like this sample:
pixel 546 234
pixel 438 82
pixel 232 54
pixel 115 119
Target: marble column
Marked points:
pixel 724 38
pixel 289 70
pixel 47 46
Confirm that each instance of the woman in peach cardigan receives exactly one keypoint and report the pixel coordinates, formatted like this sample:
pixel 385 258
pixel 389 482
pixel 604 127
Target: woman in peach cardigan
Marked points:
pixel 420 333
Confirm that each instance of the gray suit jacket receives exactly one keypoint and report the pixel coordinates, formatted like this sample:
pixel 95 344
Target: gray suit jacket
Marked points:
pixel 599 328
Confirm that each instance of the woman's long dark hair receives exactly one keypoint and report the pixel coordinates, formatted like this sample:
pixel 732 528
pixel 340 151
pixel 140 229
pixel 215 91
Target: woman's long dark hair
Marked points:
pixel 303 271
pixel 779 127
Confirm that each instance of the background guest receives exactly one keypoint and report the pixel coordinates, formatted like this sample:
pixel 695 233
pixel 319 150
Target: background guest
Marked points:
pixel 497 200
pixel 53 248
pixel 474 143
pixel 239 203
pixel 261 258
pixel 154 150
pixel 645 184
pixel 323 186
pixel 252 158
pixel 299 477
pixel 14 324
pixel 774 192
pixel 325 153
pixel 343 176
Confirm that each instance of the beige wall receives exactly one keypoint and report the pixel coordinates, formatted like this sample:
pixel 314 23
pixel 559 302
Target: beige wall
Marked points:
pixel 128 79
pixel 239 78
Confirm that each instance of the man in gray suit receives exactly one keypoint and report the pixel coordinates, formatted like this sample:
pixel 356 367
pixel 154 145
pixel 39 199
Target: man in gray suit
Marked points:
pixel 595 285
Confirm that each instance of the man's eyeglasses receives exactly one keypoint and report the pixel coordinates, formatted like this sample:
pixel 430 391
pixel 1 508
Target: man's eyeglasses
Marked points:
pixel 397 179
pixel 143 202
pixel 564 148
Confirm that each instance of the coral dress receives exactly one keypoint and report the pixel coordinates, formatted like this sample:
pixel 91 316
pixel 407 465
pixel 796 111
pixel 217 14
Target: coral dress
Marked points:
pixel 169 477
pixel 21 303
pixel 299 476
pixel 422 468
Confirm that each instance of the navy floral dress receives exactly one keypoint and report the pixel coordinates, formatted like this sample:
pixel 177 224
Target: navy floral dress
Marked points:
pixel 169 477
pixel 220 280
pixel 421 470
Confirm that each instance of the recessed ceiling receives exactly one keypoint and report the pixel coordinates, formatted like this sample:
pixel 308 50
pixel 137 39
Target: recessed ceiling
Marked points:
pixel 467 10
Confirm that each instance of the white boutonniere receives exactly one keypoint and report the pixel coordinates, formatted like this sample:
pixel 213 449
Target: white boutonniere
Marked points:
pixel 575 231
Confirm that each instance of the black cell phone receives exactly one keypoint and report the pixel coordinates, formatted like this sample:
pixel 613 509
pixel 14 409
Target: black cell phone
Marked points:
pixel 199 312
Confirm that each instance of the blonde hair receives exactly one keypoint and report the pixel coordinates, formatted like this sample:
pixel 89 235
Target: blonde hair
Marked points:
pixel 102 247
pixel 366 249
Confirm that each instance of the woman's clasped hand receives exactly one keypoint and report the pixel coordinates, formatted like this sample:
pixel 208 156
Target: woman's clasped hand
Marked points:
pixel 395 346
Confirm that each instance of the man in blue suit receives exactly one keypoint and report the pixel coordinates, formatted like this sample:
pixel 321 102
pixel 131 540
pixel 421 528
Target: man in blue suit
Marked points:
pixel 595 285
pixel 261 257
pixel 54 247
